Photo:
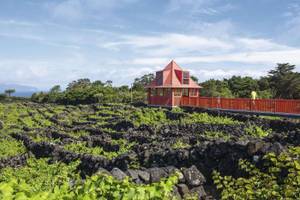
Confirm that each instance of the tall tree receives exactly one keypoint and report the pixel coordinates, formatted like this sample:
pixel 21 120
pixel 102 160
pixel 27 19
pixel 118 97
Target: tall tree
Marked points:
pixel 98 83
pixel 8 92
pixel 284 82
pixel 80 83
pixel 215 88
pixel 194 78
pixel 109 83
pixel 140 83
pixel 242 86
pixel 55 89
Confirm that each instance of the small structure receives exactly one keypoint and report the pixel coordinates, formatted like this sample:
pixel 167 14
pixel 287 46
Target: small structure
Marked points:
pixel 171 85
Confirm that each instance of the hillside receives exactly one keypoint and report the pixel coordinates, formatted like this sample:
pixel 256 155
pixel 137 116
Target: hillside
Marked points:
pixel 118 151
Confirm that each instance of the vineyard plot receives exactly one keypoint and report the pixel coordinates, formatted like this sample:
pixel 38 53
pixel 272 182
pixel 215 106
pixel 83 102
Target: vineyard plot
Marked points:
pixel 117 151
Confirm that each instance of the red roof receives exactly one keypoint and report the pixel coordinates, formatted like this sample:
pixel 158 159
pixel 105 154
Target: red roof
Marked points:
pixel 172 78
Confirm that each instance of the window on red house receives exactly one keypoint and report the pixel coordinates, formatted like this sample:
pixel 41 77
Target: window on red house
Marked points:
pixel 185 92
pixel 167 91
pixel 153 92
pixel 159 78
pixel 193 92
pixel 186 78
pixel 177 92
pixel 160 92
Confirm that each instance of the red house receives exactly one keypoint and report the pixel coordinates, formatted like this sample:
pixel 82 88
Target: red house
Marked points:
pixel 170 85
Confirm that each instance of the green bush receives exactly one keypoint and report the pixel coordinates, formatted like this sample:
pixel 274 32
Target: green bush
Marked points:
pixel 207 119
pixel 40 180
pixel 257 131
pixel 10 147
pixel 216 135
pixel 280 180
pixel 179 144
pixel 148 116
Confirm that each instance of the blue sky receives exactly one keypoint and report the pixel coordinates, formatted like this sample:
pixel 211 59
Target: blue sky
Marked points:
pixel 47 42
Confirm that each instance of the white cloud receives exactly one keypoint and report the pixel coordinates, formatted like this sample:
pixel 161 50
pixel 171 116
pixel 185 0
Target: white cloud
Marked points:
pixel 170 44
pixel 17 23
pixel 70 9
pixel 260 44
pixel 292 24
pixel 220 29
pixel 39 39
pixel 194 6
pixel 221 73
pixel 179 45
pixel 104 55
pixel 198 7
pixel 81 9
pixel 255 58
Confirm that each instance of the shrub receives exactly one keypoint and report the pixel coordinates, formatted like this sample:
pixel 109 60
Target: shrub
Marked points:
pixel 180 145
pixel 257 131
pixel 280 180
pixel 40 180
pixel 207 119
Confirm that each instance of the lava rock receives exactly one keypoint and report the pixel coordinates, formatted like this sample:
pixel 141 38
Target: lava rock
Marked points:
pixel 198 191
pixel 103 171
pixel 254 147
pixel 134 174
pixel 172 170
pixel 118 174
pixel 156 174
pixel 175 193
pixel 183 189
pixel 144 176
pixel 193 176
pixel 277 148
pixel 123 125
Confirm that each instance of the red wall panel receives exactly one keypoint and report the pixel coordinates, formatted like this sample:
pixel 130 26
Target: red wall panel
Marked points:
pixel 261 105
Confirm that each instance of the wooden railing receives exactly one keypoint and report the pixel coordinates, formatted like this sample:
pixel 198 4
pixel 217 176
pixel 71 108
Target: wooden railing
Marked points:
pixel 259 105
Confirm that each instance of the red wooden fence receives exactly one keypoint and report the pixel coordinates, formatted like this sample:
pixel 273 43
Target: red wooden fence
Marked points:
pixel 260 105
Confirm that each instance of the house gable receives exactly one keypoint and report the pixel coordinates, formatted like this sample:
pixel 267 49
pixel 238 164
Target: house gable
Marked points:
pixel 173 76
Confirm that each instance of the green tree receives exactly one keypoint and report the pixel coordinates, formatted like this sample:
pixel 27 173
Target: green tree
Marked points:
pixel 54 95
pixel 215 88
pixel 242 86
pixel 39 97
pixel 140 83
pixel 194 78
pixel 8 92
pixel 108 83
pixel 284 82
pixel 2 97
pixel 80 83
pixel 98 83
pixel 55 89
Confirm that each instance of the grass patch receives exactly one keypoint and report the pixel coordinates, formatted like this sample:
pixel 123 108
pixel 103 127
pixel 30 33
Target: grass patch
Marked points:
pixel 10 147
pixel 257 131
pixel 207 119
pixel 179 144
